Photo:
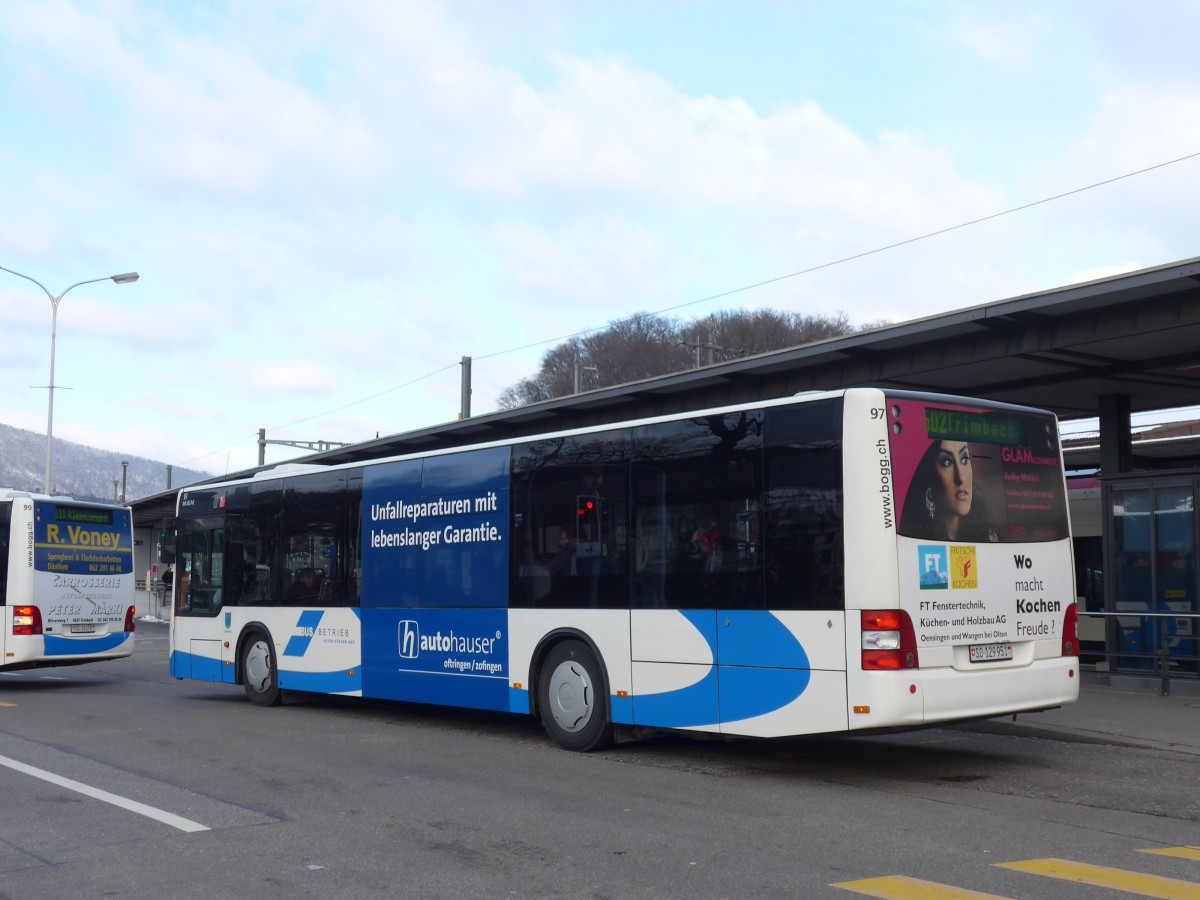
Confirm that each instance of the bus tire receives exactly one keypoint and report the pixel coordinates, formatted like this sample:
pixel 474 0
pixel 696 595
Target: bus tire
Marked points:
pixel 572 699
pixel 259 676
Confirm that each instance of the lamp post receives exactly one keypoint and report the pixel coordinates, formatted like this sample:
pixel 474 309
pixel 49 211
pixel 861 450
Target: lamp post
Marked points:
pixel 124 278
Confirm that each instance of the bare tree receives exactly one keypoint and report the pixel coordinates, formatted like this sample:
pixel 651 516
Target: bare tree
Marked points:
pixel 642 346
pixel 554 378
pixel 646 346
pixel 728 335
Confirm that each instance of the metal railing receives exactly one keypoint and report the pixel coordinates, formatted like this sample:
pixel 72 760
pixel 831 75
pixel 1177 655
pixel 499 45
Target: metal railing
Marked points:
pixel 154 598
pixel 1161 644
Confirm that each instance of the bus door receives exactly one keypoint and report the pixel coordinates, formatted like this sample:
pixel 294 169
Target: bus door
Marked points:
pixel 199 593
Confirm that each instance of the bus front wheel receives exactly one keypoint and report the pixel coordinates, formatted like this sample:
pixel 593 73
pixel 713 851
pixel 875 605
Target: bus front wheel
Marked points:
pixel 572 701
pixel 258 671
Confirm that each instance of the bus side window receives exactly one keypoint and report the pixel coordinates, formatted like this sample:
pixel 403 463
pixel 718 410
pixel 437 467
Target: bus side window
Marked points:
pixel 570 511
pixel 805 549
pixel 312 531
pixel 696 491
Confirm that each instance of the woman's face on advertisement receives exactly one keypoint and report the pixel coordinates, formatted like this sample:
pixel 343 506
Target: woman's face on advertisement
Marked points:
pixel 953 463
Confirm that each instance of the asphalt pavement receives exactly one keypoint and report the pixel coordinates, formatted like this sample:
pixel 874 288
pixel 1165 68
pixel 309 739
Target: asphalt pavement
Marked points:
pixel 1118 710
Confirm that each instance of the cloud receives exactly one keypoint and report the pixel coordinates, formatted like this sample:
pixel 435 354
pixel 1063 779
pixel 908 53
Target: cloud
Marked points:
pixel 331 203
pixel 580 263
pixel 291 378
pixel 1009 42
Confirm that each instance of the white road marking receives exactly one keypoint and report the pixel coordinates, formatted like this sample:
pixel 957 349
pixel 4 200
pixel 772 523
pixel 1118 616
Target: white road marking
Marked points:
pixel 132 805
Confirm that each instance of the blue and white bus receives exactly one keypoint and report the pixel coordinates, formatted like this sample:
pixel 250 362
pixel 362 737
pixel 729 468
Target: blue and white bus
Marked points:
pixel 66 581
pixel 859 560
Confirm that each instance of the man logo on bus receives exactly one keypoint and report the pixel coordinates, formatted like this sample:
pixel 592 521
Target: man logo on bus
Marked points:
pixel 409 634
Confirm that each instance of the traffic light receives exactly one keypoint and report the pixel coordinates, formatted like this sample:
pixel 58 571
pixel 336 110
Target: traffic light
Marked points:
pixel 587 525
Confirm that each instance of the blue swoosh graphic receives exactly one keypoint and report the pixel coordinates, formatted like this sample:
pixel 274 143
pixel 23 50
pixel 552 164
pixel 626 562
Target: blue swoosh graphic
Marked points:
pixel 61 646
pixel 757 638
pixel 297 644
pixel 761 667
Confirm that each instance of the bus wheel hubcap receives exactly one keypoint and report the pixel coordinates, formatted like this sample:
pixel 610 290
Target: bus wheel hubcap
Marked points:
pixel 258 666
pixel 571 697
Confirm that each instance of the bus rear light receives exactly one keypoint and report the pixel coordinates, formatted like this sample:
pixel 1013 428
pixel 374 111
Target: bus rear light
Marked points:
pixel 882 619
pixel 130 625
pixel 881 640
pixel 27 620
pixel 881 660
pixel 1070 639
pixel 888 642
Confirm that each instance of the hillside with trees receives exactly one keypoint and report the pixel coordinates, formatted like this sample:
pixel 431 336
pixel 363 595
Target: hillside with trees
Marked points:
pixel 647 346
pixel 82 472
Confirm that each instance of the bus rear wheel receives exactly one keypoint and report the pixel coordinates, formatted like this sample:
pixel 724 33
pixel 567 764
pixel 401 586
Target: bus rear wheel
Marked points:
pixel 258 671
pixel 572 700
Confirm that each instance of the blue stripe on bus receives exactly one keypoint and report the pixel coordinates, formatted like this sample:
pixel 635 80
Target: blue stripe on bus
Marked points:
pixel 81 646
pixel 200 668
pixel 339 682
pixel 621 709
pixel 518 700
pixel 695 704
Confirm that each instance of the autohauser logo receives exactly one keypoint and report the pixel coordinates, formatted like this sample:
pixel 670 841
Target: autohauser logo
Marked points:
pixel 412 643
pixel 410 639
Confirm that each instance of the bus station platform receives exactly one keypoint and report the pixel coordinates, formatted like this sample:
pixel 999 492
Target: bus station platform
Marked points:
pixel 1116 710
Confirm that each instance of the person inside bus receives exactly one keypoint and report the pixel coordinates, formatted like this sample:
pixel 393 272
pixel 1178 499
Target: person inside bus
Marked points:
pixel 191 589
pixel 563 561
pixel 709 543
pixel 942 503
pixel 182 596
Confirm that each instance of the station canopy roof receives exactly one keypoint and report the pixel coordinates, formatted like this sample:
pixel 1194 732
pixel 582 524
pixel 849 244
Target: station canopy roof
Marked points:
pixel 1136 334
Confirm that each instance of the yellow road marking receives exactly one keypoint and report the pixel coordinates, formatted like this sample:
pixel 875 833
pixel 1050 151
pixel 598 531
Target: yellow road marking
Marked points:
pixel 901 887
pixel 1103 876
pixel 2 703
pixel 1181 852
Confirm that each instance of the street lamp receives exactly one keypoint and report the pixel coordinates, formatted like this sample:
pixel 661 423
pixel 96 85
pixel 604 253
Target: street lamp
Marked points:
pixel 124 278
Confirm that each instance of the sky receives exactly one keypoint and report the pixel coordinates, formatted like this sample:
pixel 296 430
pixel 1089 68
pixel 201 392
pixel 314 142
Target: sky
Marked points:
pixel 330 204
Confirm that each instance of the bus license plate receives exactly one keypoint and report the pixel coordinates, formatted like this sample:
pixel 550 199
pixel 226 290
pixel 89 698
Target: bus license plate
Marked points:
pixel 989 652
pixel 83 629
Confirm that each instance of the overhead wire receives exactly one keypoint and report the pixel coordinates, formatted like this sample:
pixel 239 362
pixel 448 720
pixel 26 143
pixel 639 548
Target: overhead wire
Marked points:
pixel 327 412
pixel 733 291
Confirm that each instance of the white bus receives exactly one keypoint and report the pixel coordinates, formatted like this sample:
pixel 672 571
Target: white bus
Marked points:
pixel 860 560
pixel 66 581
